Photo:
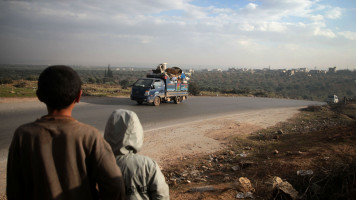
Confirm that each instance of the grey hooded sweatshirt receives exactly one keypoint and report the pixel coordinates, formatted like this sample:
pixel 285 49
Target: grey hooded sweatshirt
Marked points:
pixel 142 176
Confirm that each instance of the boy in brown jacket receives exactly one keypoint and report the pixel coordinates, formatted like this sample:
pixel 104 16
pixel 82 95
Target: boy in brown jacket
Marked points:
pixel 57 157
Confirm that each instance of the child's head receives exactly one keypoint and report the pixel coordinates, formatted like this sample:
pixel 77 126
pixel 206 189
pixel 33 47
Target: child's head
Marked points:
pixel 58 86
pixel 124 132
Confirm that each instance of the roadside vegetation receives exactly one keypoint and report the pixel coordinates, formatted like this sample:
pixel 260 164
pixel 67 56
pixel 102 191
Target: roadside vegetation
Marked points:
pixel 273 83
pixel 18 88
pixel 108 81
pixel 313 154
pixel 21 81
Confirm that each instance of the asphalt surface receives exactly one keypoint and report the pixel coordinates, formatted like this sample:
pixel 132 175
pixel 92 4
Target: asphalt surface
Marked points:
pixel 95 111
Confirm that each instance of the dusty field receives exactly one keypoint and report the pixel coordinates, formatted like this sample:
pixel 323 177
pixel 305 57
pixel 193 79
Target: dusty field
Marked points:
pixel 310 156
pixel 172 144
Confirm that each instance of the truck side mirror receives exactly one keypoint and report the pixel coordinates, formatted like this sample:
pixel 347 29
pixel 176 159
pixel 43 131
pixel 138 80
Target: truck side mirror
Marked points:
pixel 152 87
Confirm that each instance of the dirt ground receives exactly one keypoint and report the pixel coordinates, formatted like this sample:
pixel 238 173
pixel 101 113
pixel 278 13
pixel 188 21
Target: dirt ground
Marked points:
pixel 309 156
pixel 177 144
pixel 27 99
pixel 172 144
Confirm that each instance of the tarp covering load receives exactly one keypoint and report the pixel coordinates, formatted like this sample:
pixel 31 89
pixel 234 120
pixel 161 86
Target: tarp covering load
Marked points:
pixel 174 73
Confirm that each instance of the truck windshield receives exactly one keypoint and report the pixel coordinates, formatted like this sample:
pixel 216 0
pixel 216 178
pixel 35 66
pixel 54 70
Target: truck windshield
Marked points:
pixel 143 83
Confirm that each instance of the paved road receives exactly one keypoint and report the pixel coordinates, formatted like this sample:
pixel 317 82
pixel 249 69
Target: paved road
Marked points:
pixel 95 111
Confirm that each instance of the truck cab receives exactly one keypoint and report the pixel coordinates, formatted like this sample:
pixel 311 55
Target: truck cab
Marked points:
pixel 146 89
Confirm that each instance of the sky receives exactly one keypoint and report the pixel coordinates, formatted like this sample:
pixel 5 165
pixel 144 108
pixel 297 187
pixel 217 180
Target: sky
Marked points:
pixel 187 33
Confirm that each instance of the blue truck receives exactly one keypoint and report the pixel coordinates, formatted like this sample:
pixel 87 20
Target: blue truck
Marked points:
pixel 159 88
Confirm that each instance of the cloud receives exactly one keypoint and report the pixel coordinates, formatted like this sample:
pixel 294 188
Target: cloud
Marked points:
pixel 246 27
pixel 348 35
pixel 122 17
pixel 273 27
pixel 251 6
pixel 317 17
pixel 324 32
pixel 278 9
pixel 157 28
pixel 334 13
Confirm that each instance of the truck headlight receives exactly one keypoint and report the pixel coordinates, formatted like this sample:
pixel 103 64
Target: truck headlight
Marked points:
pixel 147 92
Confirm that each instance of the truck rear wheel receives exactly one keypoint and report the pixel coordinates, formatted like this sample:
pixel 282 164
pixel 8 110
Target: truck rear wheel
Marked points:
pixel 177 100
pixel 157 101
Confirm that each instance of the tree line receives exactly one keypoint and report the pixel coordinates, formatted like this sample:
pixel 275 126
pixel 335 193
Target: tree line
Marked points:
pixel 276 84
pixel 263 84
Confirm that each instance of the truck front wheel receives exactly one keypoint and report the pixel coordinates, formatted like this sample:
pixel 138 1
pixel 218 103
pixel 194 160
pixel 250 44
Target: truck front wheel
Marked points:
pixel 157 101
pixel 139 102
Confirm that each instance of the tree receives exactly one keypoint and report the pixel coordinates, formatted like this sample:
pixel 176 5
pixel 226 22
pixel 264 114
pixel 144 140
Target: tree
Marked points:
pixel 6 81
pixel 124 84
pixel 91 80
pixel 194 89
pixel 108 73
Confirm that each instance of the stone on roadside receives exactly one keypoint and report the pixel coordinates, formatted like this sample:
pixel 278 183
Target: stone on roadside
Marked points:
pixel 226 179
pixel 244 185
pixel 304 172
pixel 243 154
pixel 284 188
pixel 200 179
pixel 235 168
pixel 204 167
pixel 246 195
pixel 246 164
pixel 213 157
pixel 294 153
pixel 173 181
pixel 195 173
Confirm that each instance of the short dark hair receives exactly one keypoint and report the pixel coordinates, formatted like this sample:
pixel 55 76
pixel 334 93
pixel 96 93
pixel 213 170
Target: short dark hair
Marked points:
pixel 58 86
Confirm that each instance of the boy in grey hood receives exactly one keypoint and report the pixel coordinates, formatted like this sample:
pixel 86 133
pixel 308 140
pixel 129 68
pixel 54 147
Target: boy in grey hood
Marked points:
pixel 142 176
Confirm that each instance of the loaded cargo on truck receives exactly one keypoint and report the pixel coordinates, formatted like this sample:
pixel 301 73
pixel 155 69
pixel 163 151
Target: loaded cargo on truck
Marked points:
pixel 161 85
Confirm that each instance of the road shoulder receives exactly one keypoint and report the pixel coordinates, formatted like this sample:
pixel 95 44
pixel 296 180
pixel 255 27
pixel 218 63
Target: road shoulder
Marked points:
pixel 170 144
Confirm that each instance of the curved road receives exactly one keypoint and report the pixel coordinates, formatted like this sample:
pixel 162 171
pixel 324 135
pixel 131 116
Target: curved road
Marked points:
pixel 95 111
